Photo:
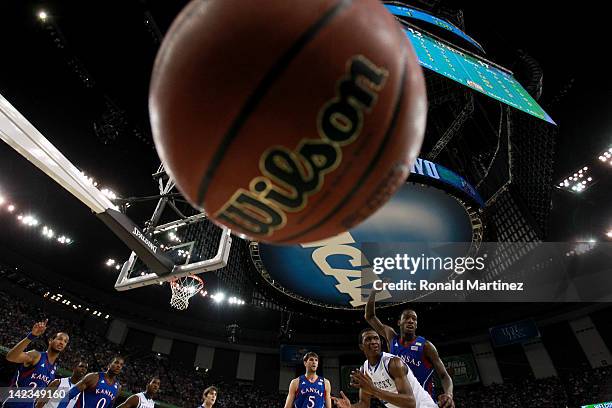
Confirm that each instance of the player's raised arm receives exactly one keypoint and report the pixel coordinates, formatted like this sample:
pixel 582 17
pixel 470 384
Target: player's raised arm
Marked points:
pixel 291 393
pixel 444 400
pixel 18 355
pixel 370 315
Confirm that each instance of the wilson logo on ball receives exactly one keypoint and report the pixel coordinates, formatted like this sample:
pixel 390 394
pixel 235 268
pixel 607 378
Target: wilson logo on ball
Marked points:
pixel 289 177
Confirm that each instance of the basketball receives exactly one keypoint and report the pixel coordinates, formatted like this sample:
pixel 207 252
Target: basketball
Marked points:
pixel 287 121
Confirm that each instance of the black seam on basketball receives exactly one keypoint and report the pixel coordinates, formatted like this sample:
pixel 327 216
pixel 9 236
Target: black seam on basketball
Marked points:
pixel 373 162
pixel 260 91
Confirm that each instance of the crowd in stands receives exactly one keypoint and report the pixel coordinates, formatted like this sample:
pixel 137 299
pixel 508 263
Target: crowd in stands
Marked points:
pixel 571 390
pixel 182 386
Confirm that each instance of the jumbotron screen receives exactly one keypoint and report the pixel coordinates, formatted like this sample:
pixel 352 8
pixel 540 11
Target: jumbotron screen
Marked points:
pixel 472 72
pixel 403 11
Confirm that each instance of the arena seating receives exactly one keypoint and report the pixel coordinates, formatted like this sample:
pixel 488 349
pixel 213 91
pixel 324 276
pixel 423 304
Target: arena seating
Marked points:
pixel 182 386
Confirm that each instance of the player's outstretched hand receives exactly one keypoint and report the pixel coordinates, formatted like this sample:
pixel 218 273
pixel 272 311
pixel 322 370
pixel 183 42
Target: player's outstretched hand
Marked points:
pixel 39 328
pixel 363 382
pixel 342 402
pixel 445 401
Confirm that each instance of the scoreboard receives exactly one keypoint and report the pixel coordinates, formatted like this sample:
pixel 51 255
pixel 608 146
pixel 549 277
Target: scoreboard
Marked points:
pixel 473 72
pixel 409 12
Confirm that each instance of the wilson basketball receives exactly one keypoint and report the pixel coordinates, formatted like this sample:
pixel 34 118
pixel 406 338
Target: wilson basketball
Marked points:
pixel 287 121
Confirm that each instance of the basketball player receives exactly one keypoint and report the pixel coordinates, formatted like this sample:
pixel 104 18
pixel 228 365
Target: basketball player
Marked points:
pixel 64 384
pixel 309 390
pixel 386 377
pixel 98 390
pixel 209 397
pixel 419 353
pixel 36 369
pixel 143 399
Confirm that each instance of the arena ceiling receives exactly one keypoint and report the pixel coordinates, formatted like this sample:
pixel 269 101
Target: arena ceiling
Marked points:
pixel 92 68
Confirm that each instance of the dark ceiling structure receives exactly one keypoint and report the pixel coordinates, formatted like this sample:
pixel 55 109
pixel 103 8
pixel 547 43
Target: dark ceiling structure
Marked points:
pixel 81 77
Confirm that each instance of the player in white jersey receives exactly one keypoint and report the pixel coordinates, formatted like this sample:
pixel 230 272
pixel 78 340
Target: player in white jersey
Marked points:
pixel 386 377
pixel 143 399
pixel 62 386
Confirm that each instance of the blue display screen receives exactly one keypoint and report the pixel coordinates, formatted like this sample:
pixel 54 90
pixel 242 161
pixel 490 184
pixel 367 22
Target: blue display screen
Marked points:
pixel 472 72
pixel 329 272
pixel 402 11
pixel 438 172
pixel 512 333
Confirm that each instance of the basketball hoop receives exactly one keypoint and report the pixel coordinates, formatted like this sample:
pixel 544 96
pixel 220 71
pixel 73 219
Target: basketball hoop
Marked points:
pixel 183 289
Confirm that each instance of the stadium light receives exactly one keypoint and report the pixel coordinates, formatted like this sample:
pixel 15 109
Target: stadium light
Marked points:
pixel 218 297
pixel 577 182
pixel 2 200
pixel 110 262
pixel 42 15
pixel 64 240
pixel 110 194
pixel 609 234
pixel 117 267
pixel 235 301
pixel 48 232
pixel 173 237
pixel 11 208
pixel 28 220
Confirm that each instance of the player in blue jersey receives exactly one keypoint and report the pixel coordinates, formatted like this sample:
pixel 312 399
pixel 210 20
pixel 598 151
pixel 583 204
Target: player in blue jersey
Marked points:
pixel 417 352
pixel 63 386
pixel 209 397
pixel 98 390
pixel 37 369
pixel 309 390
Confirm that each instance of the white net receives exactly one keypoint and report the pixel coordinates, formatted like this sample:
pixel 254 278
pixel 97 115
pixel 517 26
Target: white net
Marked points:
pixel 183 289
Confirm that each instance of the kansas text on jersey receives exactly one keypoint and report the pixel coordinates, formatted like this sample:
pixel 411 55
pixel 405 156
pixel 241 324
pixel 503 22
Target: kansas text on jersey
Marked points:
pixel 99 397
pixel 310 394
pixel 36 376
pixel 413 354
